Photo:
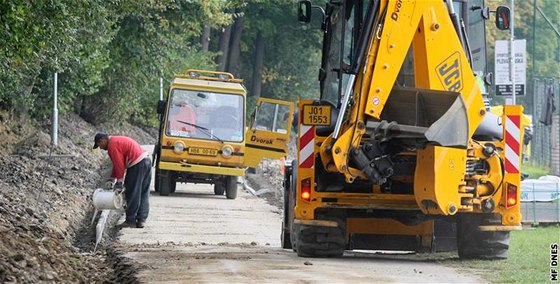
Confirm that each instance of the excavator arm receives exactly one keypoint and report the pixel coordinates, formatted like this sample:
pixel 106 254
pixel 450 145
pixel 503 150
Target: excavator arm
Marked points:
pixel 436 119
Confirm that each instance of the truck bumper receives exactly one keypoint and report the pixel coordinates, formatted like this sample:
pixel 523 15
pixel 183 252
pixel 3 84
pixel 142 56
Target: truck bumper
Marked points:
pixel 215 170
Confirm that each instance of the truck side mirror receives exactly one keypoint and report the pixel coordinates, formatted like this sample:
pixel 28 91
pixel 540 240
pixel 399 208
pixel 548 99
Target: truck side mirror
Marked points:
pixel 502 18
pixel 161 107
pixel 304 11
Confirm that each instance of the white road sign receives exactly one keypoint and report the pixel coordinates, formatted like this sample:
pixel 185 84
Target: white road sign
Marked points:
pixel 502 69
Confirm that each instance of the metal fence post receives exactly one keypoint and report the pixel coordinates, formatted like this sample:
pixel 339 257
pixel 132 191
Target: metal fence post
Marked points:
pixel 54 119
pixel 558 202
pixel 534 207
pixel 161 88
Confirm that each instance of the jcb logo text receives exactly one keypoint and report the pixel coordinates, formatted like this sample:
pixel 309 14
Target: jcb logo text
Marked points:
pixel 449 73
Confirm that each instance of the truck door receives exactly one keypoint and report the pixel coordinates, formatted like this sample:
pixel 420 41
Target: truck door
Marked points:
pixel 269 131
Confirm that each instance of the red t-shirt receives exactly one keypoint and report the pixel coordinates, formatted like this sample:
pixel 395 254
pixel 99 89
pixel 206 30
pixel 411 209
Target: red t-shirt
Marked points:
pixel 124 153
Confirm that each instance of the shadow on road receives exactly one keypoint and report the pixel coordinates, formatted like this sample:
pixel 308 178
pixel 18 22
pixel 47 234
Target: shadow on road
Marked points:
pixel 192 194
pixel 401 256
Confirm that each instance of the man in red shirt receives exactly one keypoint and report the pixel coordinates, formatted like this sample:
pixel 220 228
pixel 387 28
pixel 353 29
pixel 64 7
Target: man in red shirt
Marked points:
pixel 127 156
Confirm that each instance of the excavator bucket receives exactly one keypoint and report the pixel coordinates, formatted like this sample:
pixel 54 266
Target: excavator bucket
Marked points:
pixel 427 116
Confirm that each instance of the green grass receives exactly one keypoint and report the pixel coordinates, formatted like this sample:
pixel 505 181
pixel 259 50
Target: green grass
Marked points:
pixel 528 261
pixel 535 171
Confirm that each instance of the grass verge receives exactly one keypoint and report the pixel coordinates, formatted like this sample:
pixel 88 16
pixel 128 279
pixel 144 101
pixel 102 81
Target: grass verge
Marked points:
pixel 535 171
pixel 528 261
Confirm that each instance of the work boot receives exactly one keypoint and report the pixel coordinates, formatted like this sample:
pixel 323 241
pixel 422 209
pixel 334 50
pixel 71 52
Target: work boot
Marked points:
pixel 140 224
pixel 125 225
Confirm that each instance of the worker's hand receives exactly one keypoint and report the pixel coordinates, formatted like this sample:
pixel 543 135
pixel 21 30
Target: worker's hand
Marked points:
pixel 109 183
pixel 119 187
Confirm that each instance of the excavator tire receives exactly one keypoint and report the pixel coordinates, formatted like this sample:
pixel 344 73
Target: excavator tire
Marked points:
pixel 475 244
pixel 285 237
pixel 318 241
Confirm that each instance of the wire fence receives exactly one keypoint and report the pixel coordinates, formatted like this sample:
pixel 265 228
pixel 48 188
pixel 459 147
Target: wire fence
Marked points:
pixel 540 201
pixel 545 146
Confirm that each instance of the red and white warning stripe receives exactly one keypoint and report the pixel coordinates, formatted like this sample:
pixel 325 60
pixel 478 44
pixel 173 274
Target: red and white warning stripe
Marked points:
pixel 513 144
pixel 306 146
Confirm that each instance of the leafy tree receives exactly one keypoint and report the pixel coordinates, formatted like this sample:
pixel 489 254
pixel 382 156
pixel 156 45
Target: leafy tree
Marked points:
pixel 291 54
pixel 160 39
pixel 107 52
pixel 44 37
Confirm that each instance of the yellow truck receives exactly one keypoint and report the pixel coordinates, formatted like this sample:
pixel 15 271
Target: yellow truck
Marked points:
pixel 203 136
pixel 401 152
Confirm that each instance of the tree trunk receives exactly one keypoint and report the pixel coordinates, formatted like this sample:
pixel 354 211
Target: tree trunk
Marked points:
pixel 257 71
pixel 224 47
pixel 234 47
pixel 205 38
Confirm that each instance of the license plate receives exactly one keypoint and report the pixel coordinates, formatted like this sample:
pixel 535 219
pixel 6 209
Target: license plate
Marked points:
pixel 316 115
pixel 203 151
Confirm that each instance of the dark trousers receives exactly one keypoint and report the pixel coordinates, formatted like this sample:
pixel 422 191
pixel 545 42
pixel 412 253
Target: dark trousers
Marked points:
pixel 137 194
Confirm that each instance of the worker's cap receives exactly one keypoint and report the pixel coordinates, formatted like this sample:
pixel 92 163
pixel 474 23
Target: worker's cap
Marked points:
pixel 99 136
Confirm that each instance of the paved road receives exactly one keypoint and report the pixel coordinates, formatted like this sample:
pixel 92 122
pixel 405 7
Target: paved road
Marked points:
pixel 195 236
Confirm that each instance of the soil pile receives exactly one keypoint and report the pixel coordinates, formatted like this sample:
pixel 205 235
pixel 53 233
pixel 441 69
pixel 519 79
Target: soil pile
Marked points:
pixel 269 179
pixel 45 202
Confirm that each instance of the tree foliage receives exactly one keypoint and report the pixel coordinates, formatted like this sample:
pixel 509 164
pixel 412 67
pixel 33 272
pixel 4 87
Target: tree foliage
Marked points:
pixel 110 54
pixel 542 43
pixel 291 52
pixel 546 43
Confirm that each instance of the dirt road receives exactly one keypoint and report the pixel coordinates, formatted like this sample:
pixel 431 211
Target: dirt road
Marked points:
pixel 195 236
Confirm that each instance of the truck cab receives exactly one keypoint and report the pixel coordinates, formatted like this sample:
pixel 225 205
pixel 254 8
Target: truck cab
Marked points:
pixel 203 136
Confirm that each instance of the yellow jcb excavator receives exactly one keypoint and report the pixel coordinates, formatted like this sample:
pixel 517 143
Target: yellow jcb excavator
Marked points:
pixel 401 152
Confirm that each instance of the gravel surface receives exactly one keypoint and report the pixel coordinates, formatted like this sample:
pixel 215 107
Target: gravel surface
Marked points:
pixel 194 236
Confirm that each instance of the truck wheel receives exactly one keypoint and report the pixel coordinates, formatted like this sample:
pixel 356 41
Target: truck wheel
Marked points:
pixel 156 181
pixel 231 187
pixel 472 243
pixel 219 188
pixel 317 241
pixel 166 183
pixel 292 204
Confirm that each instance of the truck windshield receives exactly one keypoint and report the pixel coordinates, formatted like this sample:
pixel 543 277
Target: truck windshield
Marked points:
pixel 341 36
pixel 205 115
